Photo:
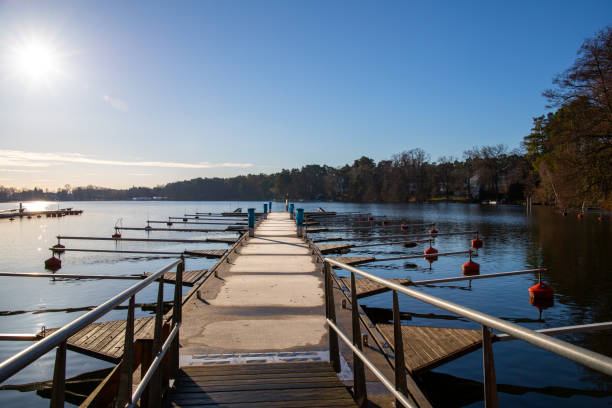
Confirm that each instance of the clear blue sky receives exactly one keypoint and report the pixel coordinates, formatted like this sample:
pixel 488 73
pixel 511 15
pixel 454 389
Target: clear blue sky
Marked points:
pixel 142 93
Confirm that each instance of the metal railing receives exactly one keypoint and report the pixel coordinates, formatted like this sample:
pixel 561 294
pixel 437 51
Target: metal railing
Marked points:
pixel 588 358
pixel 154 378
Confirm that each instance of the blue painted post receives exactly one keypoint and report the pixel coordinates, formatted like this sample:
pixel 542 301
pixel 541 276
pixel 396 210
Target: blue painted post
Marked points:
pixel 251 222
pixel 291 208
pixel 270 206
pixel 299 220
pixel 265 210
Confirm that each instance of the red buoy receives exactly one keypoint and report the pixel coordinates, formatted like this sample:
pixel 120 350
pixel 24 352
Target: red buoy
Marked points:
pixel 476 243
pixel 541 291
pixel 370 218
pixel 58 248
pixel 580 215
pixel 404 227
pixel 148 228
pixel 184 219
pixel 433 231
pixel 470 267
pixel 53 264
pixel 431 250
pixel 600 218
pixel 117 234
pixel 169 223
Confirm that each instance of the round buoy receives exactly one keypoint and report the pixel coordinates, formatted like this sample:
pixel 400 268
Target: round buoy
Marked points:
pixel 580 215
pixel 431 250
pixel 116 235
pixel 370 218
pixel 600 218
pixel 53 264
pixel 404 227
pixel 541 291
pixel 184 219
pixel 58 248
pixel 433 231
pixel 197 217
pixel 470 267
pixel 169 223
pixel 476 243
pixel 148 228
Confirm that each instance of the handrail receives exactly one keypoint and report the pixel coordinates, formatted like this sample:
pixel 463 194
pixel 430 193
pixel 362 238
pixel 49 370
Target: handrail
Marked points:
pixel 17 362
pixel 153 367
pixel 591 359
pixel 384 380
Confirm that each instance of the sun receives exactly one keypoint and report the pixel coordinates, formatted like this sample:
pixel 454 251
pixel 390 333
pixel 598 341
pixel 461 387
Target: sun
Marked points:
pixel 36 60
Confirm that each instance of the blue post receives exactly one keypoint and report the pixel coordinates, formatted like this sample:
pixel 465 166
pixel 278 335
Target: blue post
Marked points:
pixel 251 222
pixel 291 207
pixel 299 220
pixel 270 206
pixel 265 208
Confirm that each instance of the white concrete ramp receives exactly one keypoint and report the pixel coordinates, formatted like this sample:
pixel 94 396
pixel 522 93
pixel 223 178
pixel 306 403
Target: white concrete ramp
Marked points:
pixel 269 298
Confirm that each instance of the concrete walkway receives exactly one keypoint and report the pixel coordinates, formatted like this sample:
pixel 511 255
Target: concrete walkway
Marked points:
pixel 267 299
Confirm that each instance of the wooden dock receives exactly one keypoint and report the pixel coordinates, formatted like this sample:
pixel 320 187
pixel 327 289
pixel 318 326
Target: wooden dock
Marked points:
pixel 428 347
pixel 335 248
pixel 206 253
pixel 353 260
pixel 105 340
pixel 260 385
pixel 366 287
pixel 189 277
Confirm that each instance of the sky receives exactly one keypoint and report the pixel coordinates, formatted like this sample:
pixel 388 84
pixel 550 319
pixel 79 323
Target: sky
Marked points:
pixel 116 93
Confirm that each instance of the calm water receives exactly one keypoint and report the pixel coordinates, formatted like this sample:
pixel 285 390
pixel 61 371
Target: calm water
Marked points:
pixel 577 253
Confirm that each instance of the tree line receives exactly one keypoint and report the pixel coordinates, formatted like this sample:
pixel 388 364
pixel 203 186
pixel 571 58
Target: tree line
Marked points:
pixel 565 161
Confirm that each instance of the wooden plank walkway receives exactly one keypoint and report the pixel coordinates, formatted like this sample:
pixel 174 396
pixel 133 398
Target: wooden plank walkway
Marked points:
pixel 335 248
pixel 104 340
pixel 428 347
pixel 260 385
pixel 189 277
pixel 353 260
pixel 206 253
pixel 366 287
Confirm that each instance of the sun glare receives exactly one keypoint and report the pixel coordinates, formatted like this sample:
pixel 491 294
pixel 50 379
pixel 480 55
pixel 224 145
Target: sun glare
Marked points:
pixel 36 60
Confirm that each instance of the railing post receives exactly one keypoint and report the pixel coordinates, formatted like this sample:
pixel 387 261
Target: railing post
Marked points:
pixel 490 383
pixel 177 317
pixel 154 387
pixel 359 381
pixel 251 212
pixel 400 362
pixel 127 365
pixel 59 377
pixel 299 220
pixel 330 312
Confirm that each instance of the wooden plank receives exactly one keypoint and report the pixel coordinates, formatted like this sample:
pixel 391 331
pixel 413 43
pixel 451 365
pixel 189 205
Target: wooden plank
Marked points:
pixel 353 260
pixel 189 277
pixel 206 253
pixel 278 384
pixel 428 347
pixel 335 248
pixel 104 340
pixel 367 287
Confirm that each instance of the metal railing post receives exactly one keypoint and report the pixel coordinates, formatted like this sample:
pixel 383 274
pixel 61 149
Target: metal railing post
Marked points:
pixel 490 383
pixel 127 364
pixel 154 387
pixel 177 317
pixel 400 362
pixel 330 311
pixel 359 381
pixel 59 377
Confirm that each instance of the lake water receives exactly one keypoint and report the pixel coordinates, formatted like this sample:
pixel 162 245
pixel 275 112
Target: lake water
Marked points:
pixel 577 253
